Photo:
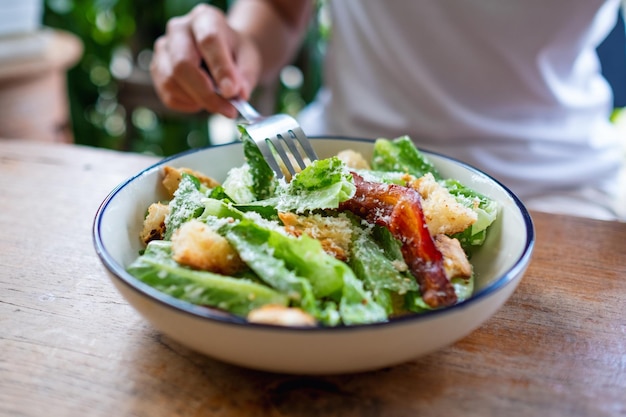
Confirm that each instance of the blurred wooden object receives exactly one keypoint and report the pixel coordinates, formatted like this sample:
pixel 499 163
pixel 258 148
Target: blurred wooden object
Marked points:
pixel 33 89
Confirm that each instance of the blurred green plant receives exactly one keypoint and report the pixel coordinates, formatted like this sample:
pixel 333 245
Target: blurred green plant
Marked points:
pixel 112 102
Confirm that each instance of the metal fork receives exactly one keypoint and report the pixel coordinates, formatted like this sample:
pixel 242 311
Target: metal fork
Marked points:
pixel 277 137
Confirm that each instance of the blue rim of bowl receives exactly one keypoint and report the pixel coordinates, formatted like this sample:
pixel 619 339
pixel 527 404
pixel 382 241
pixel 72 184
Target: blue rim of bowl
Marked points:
pixel 226 318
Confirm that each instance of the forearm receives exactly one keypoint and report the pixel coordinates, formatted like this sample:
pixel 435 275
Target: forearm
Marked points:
pixel 276 27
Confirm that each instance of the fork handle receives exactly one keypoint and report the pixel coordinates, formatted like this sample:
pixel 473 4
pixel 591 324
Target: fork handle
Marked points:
pixel 245 109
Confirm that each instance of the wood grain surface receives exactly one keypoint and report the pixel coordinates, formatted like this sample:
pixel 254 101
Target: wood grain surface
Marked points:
pixel 71 346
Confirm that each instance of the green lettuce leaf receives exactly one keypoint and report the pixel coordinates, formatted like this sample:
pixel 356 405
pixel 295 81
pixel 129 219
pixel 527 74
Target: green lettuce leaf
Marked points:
pixel 238 296
pixel 357 305
pixel 301 257
pixel 263 178
pixel 380 266
pixel 401 155
pixel 188 203
pixel 239 185
pixel 324 184
pixel 270 255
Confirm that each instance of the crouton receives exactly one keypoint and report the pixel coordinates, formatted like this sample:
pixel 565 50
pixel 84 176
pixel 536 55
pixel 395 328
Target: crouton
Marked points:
pixel 154 223
pixel 281 316
pixel 353 159
pixel 197 246
pixel 443 214
pixel 334 233
pixel 172 177
pixel 455 263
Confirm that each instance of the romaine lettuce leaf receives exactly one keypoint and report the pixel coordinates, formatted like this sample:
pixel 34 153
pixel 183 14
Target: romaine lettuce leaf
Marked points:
pixel 357 305
pixel 239 185
pixel 263 178
pixel 238 296
pixel 324 184
pixel 188 203
pixel 271 255
pixel 401 155
pixel 303 256
pixel 380 269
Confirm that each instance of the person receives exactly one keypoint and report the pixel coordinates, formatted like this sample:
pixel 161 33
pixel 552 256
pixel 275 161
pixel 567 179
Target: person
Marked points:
pixel 513 88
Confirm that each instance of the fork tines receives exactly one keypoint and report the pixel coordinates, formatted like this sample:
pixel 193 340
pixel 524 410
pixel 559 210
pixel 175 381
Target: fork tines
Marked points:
pixel 291 145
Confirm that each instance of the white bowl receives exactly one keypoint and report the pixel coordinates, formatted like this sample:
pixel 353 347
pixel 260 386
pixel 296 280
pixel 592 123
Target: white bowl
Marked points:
pixel 499 266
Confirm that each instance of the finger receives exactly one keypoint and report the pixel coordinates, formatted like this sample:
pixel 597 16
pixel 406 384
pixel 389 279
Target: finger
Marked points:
pixel 184 104
pixel 165 85
pixel 184 61
pixel 185 70
pixel 215 43
pixel 172 87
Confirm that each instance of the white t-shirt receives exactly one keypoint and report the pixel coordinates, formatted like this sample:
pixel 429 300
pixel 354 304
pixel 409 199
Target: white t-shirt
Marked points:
pixel 511 87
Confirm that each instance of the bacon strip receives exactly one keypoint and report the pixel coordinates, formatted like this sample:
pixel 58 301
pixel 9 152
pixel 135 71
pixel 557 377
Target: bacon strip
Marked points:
pixel 399 209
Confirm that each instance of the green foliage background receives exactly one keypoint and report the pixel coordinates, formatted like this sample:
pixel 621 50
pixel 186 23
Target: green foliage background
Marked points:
pixel 122 112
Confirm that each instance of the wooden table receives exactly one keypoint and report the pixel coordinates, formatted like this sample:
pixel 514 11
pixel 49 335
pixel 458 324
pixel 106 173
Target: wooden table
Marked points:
pixel 71 346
